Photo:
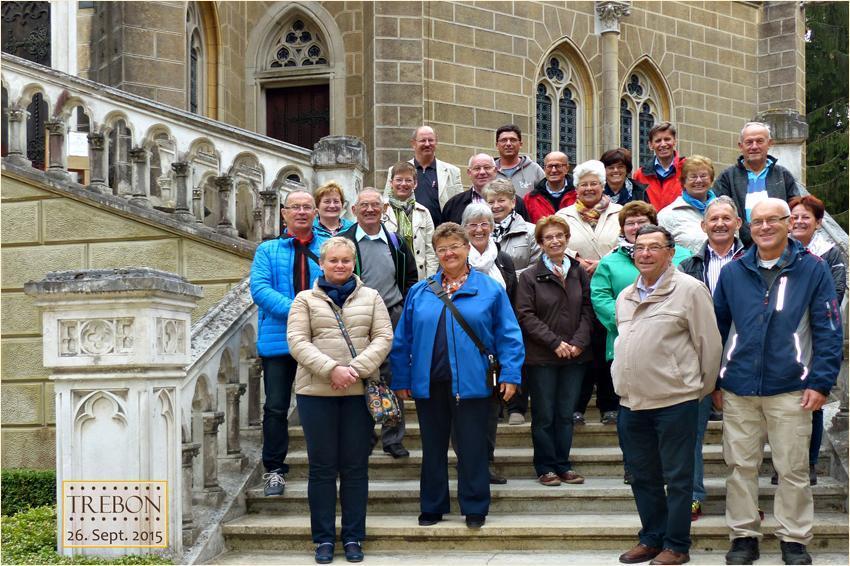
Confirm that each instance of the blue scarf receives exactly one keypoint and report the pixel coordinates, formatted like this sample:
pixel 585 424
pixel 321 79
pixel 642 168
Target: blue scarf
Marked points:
pixel 337 293
pixel 698 204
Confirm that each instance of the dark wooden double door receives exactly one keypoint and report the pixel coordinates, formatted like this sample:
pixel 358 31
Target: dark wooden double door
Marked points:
pixel 298 115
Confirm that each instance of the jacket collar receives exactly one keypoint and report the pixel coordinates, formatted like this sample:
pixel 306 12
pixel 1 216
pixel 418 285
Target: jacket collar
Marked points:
pixel 470 287
pixel 771 161
pixel 541 270
pixel 320 293
pixel 792 252
pixel 649 168
pixel 737 249
pixel 664 288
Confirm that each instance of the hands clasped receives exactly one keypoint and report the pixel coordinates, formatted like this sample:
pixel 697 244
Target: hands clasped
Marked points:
pixel 343 377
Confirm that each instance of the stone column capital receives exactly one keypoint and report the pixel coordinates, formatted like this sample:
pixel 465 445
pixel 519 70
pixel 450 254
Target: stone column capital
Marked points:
pixel 55 127
pixel 224 182
pixel 609 13
pixel 138 154
pixel 180 168
pixel 268 197
pixel 16 114
pixel 189 451
pixel 97 141
pixel 235 390
pixel 212 421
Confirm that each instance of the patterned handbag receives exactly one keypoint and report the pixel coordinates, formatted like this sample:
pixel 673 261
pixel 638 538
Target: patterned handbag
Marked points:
pixel 380 399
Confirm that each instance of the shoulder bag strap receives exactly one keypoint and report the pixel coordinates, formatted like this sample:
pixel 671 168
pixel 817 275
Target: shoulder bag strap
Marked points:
pixel 441 294
pixel 344 332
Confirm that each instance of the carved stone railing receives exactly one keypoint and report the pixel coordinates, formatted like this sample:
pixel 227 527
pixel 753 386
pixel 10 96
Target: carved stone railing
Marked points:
pixel 200 170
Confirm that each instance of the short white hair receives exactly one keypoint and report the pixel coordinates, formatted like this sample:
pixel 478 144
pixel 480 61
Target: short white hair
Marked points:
pixel 592 167
pixel 786 210
pixel 760 125
pixel 477 155
pixel 477 210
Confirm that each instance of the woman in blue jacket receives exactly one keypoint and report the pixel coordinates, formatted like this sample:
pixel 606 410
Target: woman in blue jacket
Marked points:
pixel 440 367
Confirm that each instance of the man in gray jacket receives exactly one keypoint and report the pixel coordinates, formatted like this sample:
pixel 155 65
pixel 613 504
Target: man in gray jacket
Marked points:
pixel 519 169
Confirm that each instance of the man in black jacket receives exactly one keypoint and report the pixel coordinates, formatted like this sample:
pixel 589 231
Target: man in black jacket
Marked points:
pixel 386 264
pixel 481 170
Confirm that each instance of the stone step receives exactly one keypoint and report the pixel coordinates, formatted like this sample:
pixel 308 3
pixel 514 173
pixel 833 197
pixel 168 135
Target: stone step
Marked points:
pixel 524 496
pixel 615 532
pixel 516 463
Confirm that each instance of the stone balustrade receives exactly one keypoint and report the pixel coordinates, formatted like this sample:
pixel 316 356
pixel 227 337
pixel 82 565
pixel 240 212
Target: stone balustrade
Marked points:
pixel 200 170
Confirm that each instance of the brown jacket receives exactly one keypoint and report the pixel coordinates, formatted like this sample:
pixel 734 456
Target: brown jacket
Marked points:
pixel 549 313
pixel 317 344
pixel 668 349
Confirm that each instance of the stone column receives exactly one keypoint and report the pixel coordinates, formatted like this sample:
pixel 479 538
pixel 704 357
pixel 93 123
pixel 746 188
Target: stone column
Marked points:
pixel 226 206
pixel 257 226
pixel 98 164
pixel 234 392
pixel 17 137
pixel 188 452
pixel 198 204
pixel 118 342
pixel 181 209
pixel 212 491
pixel 141 191
pixel 271 215
pixel 608 15
pixel 57 164
pixel 344 159
pixel 255 373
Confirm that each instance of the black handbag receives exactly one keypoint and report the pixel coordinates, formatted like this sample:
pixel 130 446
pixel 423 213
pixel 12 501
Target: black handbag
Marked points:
pixel 494 368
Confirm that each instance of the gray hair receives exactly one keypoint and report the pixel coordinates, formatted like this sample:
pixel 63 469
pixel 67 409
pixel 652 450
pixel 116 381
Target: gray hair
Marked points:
pixel 592 167
pixel 760 125
pixel 490 157
pixel 653 229
pixel 337 242
pixel 772 200
pixel 369 190
pixel 477 210
pixel 722 199
pixel 416 131
pixel 498 187
pixel 289 194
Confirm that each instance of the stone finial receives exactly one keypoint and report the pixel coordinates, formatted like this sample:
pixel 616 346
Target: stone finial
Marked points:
pixel 786 125
pixel 609 13
pixel 340 152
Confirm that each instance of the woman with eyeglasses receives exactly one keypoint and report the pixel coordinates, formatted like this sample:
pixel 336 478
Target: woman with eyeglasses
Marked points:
pixel 511 232
pixel 619 184
pixel 330 203
pixel 437 363
pixel 683 217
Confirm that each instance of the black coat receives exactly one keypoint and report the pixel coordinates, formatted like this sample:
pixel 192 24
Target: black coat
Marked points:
pixel 453 210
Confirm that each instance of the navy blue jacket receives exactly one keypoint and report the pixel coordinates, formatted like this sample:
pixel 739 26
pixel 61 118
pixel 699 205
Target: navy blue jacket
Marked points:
pixel 764 354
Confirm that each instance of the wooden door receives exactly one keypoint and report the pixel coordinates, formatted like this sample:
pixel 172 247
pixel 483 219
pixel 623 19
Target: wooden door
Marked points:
pixel 298 115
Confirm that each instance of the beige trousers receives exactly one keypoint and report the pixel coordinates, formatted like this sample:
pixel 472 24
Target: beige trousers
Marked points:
pixel 747 423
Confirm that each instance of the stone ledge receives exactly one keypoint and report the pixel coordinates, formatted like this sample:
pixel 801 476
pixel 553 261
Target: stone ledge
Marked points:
pixel 118 280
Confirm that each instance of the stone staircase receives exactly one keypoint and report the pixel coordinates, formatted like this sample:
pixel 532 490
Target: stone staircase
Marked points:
pixel 528 523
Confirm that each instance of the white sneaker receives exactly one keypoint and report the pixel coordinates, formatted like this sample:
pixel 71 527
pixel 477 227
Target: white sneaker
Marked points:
pixel 516 419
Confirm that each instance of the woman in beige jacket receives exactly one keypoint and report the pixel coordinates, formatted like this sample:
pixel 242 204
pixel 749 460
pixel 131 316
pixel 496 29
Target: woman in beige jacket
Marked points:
pixel 329 388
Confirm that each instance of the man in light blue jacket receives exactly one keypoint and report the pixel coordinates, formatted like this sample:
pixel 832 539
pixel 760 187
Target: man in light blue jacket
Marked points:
pixel 282 268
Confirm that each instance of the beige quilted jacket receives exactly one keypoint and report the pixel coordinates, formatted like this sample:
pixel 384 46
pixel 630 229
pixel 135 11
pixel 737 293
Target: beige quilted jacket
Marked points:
pixel 317 344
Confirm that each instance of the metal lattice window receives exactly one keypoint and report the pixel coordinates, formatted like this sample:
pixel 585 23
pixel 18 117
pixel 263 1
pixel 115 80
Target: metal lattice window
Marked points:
pixel 567 128
pixel 544 123
pixel 645 121
pixel 625 125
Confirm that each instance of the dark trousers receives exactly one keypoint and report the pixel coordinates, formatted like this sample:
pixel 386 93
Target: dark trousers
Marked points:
pixel 496 405
pixel 337 431
pixel 554 393
pixel 659 445
pixel 519 402
pixel 278 375
pixel 392 434
pixel 817 437
pixel 598 374
pixel 437 416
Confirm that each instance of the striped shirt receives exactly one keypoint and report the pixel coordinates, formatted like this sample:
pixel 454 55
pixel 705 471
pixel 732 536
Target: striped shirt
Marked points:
pixel 716 263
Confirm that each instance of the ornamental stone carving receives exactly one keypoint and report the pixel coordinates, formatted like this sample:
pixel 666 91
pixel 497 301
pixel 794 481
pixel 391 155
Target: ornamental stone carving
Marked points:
pixel 170 336
pixel 95 337
pixel 609 13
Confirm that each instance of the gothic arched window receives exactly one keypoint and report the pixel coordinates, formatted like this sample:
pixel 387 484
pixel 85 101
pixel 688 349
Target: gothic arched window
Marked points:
pixel 299 46
pixel 201 59
pixel 558 125
pixel 639 112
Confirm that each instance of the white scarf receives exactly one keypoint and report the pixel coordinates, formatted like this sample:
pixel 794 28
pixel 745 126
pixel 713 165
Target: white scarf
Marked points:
pixel 486 262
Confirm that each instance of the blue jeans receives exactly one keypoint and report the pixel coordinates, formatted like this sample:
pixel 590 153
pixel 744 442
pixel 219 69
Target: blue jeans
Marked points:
pixel 278 375
pixel 555 391
pixel 699 472
pixel 817 437
pixel 338 432
pixel 659 446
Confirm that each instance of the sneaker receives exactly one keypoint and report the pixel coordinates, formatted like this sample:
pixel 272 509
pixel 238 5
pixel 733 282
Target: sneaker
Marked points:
pixel 353 551
pixel 609 417
pixel 696 510
pixel 570 477
pixel 516 419
pixel 275 483
pixel 794 553
pixel 549 479
pixel 578 418
pixel 325 553
pixel 744 551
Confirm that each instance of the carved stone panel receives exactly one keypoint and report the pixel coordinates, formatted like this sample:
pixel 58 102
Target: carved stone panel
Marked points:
pixel 170 336
pixel 95 336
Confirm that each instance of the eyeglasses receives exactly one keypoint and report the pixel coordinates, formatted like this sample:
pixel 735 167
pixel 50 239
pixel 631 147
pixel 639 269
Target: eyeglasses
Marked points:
pixel 702 177
pixel 331 202
pixel 590 185
pixel 478 226
pixel 772 221
pixel 300 207
pixel 554 166
pixel 404 181
pixel 635 223
pixel 654 248
pixel 555 236
pixel 455 248
pixel 508 140
pixel 370 205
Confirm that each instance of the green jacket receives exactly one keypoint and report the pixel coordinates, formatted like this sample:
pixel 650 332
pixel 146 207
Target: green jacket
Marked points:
pixel 615 272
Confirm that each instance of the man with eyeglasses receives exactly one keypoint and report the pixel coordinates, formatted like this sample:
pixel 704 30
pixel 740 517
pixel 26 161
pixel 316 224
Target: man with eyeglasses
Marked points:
pixel 666 360
pixel 481 170
pixel 756 176
pixel 385 263
pixel 436 181
pixel 282 268
pixel 519 169
pixel 554 192
pixel 778 316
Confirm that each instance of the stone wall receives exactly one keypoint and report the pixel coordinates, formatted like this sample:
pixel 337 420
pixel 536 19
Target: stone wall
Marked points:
pixel 44 231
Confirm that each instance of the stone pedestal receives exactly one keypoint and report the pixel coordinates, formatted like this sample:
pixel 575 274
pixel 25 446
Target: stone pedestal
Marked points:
pixel 342 159
pixel 117 342
pixel 789 131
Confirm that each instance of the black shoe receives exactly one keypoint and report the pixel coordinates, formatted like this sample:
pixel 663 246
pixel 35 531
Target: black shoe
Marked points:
pixel 715 415
pixel 495 478
pixel 325 553
pixel 774 479
pixel 275 483
pixel 744 551
pixel 794 553
pixel 475 521
pixel 396 451
pixel 627 478
pixel 428 519
pixel 353 551
pixel 813 475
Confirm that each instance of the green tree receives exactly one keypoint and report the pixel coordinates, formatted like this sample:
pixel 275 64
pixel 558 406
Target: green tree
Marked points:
pixel 827 105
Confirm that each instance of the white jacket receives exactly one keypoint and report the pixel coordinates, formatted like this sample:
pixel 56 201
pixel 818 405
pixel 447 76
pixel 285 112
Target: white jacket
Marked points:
pixel 683 221
pixel 448 181
pixel 592 243
pixel 423 229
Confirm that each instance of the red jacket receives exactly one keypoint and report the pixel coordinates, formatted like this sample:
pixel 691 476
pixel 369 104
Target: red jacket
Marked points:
pixel 661 193
pixel 539 206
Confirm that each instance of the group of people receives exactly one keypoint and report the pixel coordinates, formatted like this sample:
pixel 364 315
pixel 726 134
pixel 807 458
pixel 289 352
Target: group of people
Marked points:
pixel 670 292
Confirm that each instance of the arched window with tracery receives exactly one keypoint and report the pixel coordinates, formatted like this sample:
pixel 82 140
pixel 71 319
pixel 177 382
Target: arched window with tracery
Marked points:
pixel 560 109
pixel 640 110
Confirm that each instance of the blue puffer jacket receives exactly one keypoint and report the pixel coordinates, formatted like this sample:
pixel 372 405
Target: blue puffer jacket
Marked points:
pixel 765 354
pixel 320 230
pixel 485 306
pixel 272 289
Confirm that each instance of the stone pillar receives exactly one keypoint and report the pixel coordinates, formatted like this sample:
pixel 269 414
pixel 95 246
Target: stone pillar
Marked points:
pixel 117 342
pixel 789 131
pixel 17 137
pixel 198 204
pixel 212 491
pixel 255 373
pixel 188 452
pixel 608 15
pixel 57 164
pixel 344 159
pixel 257 225
pixel 181 209
pixel 226 206
pixel 98 164
pixel 271 215
pixel 234 392
pixel 141 190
